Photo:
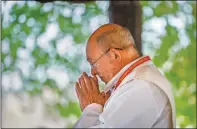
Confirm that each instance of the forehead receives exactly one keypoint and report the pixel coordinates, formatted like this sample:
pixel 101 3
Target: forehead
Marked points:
pixel 92 50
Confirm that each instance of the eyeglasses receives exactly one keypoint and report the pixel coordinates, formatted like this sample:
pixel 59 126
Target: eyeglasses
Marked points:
pixel 94 64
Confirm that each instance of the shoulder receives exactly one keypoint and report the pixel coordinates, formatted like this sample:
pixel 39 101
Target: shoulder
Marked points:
pixel 138 86
pixel 133 86
pixel 135 90
pixel 136 103
pixel 140 92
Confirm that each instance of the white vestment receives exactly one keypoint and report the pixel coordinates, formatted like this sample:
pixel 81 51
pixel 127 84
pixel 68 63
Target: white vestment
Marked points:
pixel 144 99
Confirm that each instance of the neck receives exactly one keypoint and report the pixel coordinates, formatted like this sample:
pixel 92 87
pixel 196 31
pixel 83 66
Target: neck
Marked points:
pixel 129 55
pixel 124 62
pixel 130 59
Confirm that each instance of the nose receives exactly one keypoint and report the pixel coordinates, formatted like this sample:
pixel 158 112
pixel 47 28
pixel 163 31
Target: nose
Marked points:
pixel 93 71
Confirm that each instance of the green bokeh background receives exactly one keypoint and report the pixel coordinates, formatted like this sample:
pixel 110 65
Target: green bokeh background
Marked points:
pixel 173 52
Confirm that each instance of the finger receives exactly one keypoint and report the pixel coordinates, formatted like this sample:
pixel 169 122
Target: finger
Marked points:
pixel 83 85
pixel 103 94
pixel 95 78
pixel 79 82
pixel 87 82
pixel 94 85
pixel 78 90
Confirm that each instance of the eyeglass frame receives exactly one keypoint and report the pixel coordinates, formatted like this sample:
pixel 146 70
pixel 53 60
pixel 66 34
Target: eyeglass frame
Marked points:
pixel 93 65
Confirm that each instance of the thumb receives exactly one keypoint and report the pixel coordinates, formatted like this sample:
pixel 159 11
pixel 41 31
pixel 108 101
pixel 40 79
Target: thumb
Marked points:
pixel 103 94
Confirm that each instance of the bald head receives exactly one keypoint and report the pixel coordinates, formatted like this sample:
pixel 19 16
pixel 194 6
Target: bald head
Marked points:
pixel 109 49
pixel 111 36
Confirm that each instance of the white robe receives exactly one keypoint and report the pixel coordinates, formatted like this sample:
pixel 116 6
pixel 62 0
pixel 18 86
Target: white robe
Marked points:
pixel 144 99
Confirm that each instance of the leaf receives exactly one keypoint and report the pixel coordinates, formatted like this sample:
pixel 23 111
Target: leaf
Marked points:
pixel 7 31
pixel 79 37
pixel 168 41
pixel 67 110
pixel 91 10
pixel 165 8
pixel 13 49
pixel 33 86
pixel 40 56
pixel 144 3
pixel 65 24
pixel 51 83
pixel 3 55
pixel 66 62
pixel 26 29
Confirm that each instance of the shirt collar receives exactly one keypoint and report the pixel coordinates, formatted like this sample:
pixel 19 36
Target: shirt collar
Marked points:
pixel 114 80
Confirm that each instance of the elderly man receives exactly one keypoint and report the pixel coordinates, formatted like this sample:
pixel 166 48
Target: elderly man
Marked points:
pixel 136 95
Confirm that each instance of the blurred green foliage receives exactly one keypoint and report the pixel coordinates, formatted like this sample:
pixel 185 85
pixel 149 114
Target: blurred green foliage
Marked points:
pixel 182 73
pixel 32 19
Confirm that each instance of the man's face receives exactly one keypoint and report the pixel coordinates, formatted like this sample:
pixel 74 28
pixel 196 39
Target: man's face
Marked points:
pixel 102 63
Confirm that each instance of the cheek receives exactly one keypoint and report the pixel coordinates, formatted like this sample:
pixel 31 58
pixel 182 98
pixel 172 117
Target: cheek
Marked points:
pixel 109 67
pixel 114 67
pixel 104 67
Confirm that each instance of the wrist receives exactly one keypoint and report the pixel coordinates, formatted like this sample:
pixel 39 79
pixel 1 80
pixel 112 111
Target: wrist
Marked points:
pixel 94 107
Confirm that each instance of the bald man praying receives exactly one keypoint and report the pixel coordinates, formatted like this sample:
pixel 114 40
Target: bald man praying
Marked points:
pixel 136 94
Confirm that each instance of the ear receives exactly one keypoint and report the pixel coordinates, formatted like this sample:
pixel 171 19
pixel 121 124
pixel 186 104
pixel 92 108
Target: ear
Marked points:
pixel 115 54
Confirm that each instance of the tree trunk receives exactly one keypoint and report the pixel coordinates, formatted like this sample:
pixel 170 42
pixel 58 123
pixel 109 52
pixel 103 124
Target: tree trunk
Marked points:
pixel 127 14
